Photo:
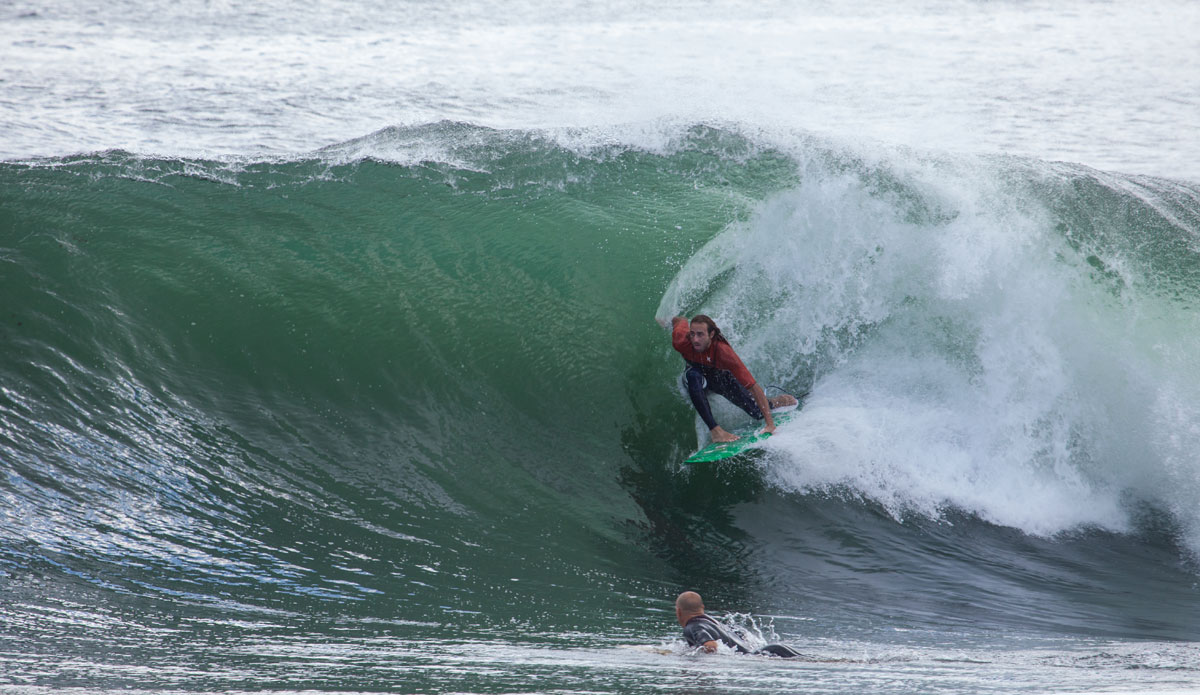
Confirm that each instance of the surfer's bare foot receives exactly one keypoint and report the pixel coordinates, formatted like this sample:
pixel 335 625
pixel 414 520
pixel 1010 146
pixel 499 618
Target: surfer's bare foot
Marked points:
pixel 782 401
pixel 719 435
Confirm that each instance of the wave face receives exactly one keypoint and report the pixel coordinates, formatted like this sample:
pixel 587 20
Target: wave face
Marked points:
pixel 412 387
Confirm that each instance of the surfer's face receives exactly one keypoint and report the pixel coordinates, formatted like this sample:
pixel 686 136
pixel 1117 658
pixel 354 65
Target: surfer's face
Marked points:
pixel 699 336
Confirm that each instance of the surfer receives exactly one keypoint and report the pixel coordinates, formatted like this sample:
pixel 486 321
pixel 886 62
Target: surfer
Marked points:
pixel 714 366
pixel 700 630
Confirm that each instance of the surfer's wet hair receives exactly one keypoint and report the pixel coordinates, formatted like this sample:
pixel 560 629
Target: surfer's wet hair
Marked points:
pixel 712 327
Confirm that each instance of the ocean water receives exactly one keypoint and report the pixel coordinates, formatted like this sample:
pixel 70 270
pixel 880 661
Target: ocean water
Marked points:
pixel 329 355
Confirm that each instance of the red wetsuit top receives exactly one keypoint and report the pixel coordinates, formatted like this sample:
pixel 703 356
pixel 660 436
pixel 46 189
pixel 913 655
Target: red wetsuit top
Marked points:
pixel 718 354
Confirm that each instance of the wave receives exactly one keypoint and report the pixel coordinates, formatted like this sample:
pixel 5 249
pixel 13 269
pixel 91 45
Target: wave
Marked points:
pixel 357 375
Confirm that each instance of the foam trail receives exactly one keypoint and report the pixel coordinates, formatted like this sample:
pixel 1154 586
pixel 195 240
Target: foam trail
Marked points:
pixel 971 346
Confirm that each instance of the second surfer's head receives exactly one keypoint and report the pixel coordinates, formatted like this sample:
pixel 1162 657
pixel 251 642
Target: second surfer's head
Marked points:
pixel 687 606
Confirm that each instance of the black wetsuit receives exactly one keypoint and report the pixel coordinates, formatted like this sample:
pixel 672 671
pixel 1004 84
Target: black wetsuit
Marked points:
pixel 700 379
pixel 717 369
pixel 701 629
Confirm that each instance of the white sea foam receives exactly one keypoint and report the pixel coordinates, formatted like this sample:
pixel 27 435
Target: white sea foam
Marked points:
pixel 216 79
pixel 964 354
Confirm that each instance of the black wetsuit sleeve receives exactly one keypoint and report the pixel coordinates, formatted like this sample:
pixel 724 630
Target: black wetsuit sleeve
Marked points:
pixel 704 629
pixel 699 632
pixel 781 650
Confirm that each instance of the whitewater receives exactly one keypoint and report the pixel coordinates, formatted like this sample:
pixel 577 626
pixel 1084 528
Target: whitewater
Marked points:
pixel 330 360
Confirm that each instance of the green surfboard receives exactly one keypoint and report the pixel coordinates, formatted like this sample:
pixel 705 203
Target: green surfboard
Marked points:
pixel 749 437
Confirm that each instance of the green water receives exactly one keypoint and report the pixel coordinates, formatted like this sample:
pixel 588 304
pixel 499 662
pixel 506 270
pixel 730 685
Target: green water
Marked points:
pixel 345 423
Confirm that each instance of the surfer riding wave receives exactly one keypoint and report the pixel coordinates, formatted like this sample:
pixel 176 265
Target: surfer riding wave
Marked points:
pixel 714 366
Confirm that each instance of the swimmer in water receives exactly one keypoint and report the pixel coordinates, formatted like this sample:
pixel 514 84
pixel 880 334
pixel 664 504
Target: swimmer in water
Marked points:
pixel 700 630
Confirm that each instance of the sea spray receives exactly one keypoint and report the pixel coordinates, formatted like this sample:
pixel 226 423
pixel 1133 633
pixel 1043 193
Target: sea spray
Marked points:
pixel 969 348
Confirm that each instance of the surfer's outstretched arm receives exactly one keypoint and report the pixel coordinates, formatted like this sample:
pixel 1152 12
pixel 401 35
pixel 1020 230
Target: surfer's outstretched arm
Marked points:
pixel 780 650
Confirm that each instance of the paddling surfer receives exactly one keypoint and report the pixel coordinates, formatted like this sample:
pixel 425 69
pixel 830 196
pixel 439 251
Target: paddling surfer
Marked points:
pixel 714 366
pixel 701 630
